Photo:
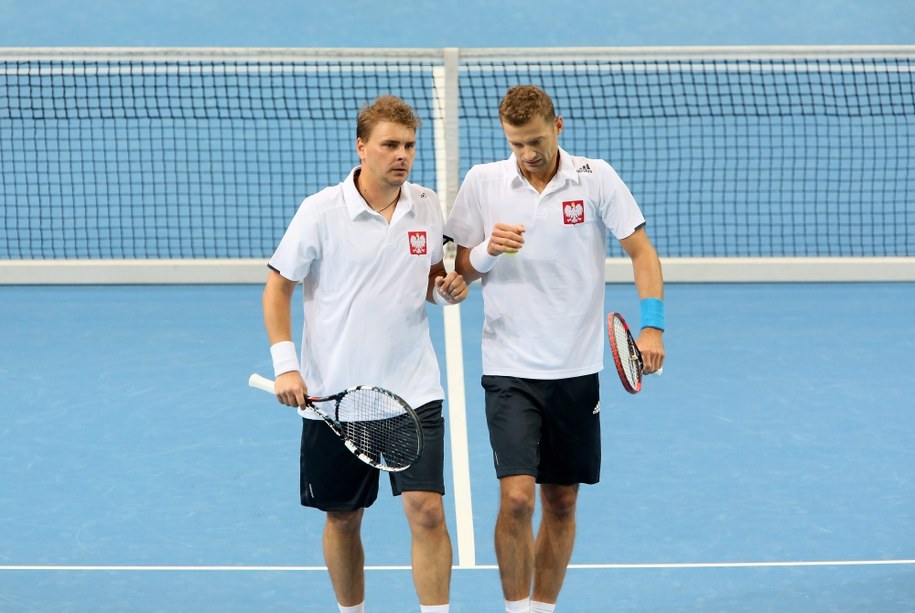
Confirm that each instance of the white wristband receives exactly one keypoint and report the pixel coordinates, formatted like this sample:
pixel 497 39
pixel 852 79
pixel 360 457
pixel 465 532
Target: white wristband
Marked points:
pixel 480 257
pixel 284 356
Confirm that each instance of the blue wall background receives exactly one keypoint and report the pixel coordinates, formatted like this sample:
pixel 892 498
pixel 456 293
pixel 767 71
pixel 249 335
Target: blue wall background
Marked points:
pixel 464 23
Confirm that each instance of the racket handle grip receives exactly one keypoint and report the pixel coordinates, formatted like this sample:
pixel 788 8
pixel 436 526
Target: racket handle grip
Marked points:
pixel 262 383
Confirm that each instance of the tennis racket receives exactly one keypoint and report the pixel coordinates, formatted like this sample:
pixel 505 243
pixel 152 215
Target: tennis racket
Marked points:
pixel 626 354
pixel 376 425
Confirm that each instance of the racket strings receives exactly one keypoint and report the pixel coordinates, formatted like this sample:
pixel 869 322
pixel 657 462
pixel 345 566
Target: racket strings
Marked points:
pixel 629 358
pixel 379 427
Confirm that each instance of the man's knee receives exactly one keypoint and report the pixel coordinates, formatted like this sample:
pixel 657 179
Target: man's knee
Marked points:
pixel 559 500
pixel 517 497
pixel 345 521
pixel 424 510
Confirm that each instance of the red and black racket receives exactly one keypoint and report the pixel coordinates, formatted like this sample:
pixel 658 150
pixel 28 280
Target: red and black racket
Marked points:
pixel 626 354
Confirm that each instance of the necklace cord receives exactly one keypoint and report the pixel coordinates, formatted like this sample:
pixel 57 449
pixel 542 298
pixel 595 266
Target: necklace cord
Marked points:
pixel 381 210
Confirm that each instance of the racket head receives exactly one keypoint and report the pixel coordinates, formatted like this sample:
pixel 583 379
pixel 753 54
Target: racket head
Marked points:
pixel 626 355
pixel 377 426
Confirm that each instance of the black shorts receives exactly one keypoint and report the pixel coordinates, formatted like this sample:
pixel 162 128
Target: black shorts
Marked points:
pixel 333 479
pixel 549 429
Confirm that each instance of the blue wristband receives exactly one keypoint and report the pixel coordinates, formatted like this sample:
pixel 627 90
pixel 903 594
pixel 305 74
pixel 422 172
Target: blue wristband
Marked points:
pixel 652 313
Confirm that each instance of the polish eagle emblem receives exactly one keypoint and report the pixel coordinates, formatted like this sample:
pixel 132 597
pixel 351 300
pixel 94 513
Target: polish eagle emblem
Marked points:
pixel 573 212
pixel 417 243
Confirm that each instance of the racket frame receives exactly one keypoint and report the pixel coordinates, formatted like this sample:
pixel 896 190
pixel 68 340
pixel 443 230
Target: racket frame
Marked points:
pixel 632 354
pixel 262 383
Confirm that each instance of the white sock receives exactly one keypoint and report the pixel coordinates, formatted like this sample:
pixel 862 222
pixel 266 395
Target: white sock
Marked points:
pixel 542 607
pixel 433 608
pixel 359 608
pixel 518 606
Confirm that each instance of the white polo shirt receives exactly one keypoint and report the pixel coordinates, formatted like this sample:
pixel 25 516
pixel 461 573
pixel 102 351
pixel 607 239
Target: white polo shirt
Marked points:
pixel 364 290
pixel 544 307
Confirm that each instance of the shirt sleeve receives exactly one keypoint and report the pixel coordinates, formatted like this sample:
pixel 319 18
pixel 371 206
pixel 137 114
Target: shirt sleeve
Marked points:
pixel 300 245
pixel 618 208
pixel 465 222
pixel 436 249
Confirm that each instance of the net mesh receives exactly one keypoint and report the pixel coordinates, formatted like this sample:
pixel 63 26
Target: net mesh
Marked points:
pixel 731 158
pixel 179 159
pixel 172 158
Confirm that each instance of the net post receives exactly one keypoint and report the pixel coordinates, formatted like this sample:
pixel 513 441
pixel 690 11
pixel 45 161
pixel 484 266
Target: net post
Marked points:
pixel 447 167
pixel 447 133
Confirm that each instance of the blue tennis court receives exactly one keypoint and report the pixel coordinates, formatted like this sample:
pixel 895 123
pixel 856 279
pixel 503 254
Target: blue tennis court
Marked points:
pixel 769 468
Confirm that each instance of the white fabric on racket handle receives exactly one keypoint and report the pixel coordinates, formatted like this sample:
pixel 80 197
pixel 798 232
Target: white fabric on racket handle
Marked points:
pixel 262 383
pixel 266 385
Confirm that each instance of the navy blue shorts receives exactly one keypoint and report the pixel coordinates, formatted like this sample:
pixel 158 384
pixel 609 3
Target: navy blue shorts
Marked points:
pixel 333 479
pixel 549 429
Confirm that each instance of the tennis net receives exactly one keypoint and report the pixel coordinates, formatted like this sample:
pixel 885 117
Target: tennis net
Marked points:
pixel 161 155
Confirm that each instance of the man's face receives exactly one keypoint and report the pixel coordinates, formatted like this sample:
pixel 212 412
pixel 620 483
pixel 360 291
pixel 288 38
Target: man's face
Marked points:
pixel 387 153
pixel 535 145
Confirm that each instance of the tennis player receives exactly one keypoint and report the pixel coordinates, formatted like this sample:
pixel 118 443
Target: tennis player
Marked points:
pixel 534 228
pixel 369 255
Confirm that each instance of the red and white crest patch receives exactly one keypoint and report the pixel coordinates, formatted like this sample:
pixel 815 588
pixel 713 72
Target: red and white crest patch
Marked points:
pixel 573 212
pixel 417 243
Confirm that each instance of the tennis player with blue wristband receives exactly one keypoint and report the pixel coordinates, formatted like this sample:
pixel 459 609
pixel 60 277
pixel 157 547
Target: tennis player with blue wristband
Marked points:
pixel 543 341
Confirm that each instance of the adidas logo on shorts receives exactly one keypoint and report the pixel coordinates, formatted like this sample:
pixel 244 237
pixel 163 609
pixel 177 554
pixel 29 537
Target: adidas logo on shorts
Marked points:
pixel 596 408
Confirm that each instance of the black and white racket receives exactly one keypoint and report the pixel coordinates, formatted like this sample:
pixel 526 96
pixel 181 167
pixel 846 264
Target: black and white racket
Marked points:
pixel 376 425
pixel 626 354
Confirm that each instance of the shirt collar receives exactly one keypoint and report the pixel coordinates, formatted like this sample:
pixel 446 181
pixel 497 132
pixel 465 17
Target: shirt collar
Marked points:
pixel 567 167
pixel 356 204
pixel 565 172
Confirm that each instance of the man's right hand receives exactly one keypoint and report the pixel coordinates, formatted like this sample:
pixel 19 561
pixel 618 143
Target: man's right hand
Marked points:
pixel 290 389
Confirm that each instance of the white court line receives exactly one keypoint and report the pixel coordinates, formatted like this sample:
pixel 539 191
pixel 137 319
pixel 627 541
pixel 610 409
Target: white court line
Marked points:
pixel 457 425
pixel 447 165
pixel 751 564
pixel 647 566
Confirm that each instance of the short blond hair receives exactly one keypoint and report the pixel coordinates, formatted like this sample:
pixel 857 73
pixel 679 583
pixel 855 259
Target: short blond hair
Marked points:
pixel 523 103
pixel 385 108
